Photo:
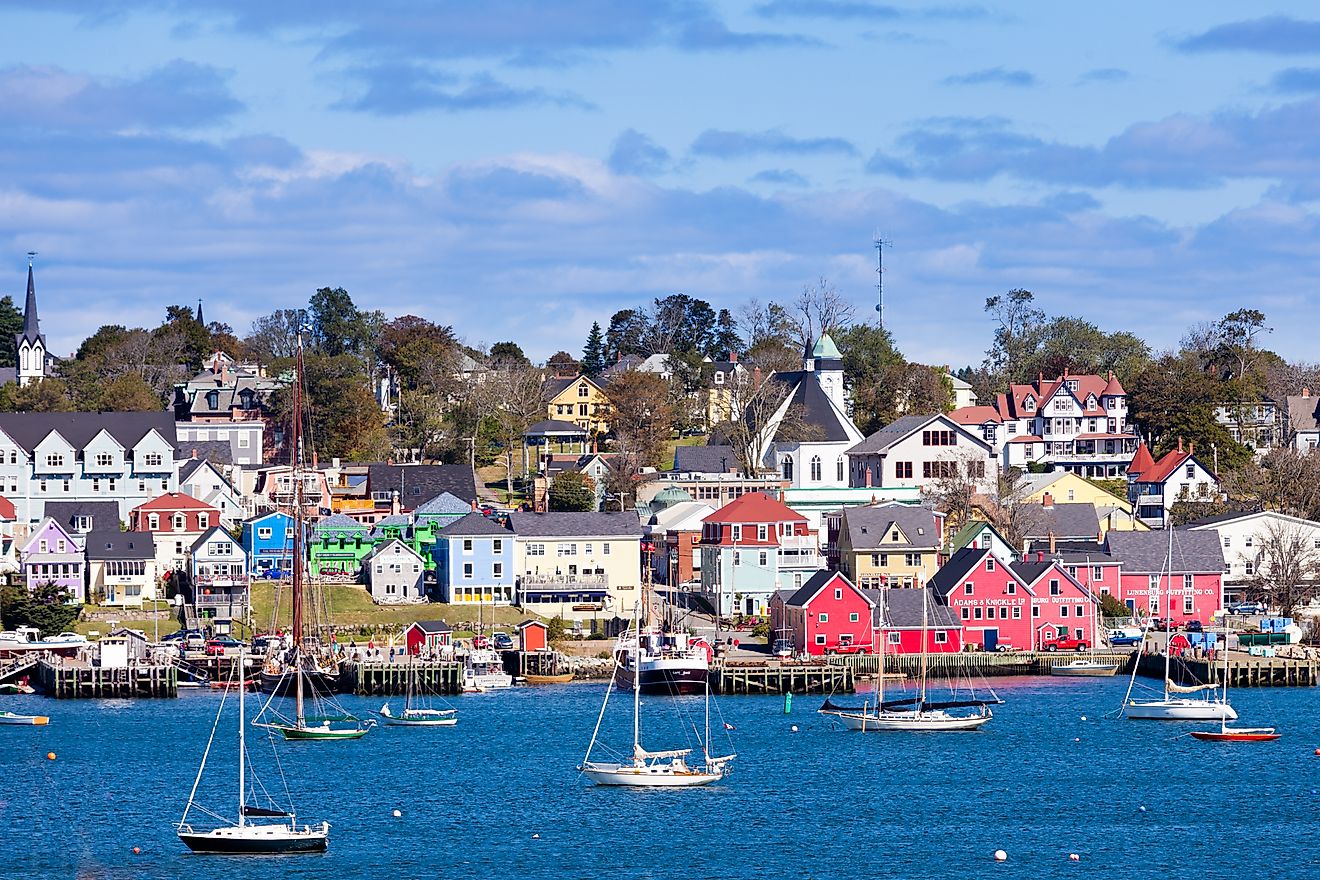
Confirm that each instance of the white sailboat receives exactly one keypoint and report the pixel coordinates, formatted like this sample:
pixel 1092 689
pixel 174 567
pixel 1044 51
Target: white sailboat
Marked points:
pixel 245 837
pixel 414 715
pixel 911 713
pixel 1171 707
pixel 667 768
pixel 1234 734
pixel 1089 667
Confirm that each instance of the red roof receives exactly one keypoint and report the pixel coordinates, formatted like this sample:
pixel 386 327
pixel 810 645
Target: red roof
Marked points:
pixel 975 415
pixel 1027 438
pixel 1088 385
pixel 175 501
pixel 1161 470
pixel 1113 388
pixel 755 507
pixel 1141 461
pixel 7 511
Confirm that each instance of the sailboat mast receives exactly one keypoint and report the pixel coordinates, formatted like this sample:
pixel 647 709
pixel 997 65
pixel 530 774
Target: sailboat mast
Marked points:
pixel 1223 715
pixel 880 680
pixel 295 435
pixel 922 704
pixel 637 679
pixel 1168 614
pixel 242 732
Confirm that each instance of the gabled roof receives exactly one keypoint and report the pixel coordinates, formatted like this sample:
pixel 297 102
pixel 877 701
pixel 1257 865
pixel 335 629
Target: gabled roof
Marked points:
pixel 215 533
pixel 554 426
pixel 964 536
pixel 868 526
pixel 108 544
pixel 955 571
pixel 976 415
pixel 554 387
pixel 1030 573
pixel 818 411
pixel 473 524
pixel 384 546
pixel 902 609
pixel 443 504
pixel 337 524
pixel 104 514
pixel 755 507
pixel 819 581
pixel 904 427
pixel 175 501
pixel 674 517
pixel 28 429
pixel 530 623
pixel 705 459
pixel 572 524
pixel 1167 466
pixel 431 626
pixel 1068 520
pixel 1148 552
pixel 417 482
pixel 1304 412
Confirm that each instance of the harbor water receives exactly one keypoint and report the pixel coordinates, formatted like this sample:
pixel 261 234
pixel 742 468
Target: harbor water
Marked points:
pixel 498 795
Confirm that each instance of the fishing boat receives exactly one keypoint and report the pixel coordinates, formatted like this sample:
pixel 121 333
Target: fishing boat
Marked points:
pixel 414 715
pixel 1089 667
pixel 1171 707
pixel 1234 734
pixel 665 768
pixel 245 837
pixel 483 670
pixel 299 671
pixel 663 662
pixel 916 713
pixel 28 720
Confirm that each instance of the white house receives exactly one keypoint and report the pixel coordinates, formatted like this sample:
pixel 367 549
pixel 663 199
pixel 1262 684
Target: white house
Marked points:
pixel 395 574
pixel 203 481
pixel 1251 541
pixel 918 451
pixel 218 566
pixel 816 394
pixel 121 567
pixel 1304 420
pixel 1155 486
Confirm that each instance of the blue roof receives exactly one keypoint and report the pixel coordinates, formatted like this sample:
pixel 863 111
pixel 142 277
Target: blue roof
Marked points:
pixel 337 524
pixel 443 504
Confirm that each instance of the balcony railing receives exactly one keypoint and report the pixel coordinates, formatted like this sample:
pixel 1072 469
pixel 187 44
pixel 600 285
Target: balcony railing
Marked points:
pixel 216 599
pixel 564 580
pixel 204 579
pixel 799 542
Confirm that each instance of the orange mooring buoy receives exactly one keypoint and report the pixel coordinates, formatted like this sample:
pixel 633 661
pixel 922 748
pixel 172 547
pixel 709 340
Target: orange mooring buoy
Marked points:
pixel 50 756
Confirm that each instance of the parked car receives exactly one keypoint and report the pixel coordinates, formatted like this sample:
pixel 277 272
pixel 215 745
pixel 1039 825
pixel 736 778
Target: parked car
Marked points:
pixel 1121 639
pixel 263 644
pixel 1193 626
pixel 1163 624
pixel 857 648
pixel 782 648
pixel 502 641
pixel 1246 608
pixel 181 635
pixel 222 646
pixel 479 642
pixel 1064 643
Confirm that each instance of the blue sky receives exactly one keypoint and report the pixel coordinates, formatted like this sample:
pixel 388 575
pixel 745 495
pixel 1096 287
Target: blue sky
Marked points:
pixel 519 168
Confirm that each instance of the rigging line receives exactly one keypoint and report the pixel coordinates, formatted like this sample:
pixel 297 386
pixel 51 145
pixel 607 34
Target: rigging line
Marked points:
pixel 599 718
pixel 215 725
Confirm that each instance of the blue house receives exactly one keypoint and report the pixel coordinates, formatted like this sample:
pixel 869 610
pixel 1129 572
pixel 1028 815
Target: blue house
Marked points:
pixel 474 562
pixel 268 542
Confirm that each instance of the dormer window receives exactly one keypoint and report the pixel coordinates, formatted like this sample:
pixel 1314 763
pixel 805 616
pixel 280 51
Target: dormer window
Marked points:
pixel 153 521
pixel 83 523
pixel 213 400
pixel 180 522
pixel 104 459
pixel 246 397
pixel 55 459
pixel 1090 402
pixel 1029 404
pixel 1071 384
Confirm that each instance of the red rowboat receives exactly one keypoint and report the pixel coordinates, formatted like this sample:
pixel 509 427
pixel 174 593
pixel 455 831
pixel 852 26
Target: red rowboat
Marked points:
pixel 1244 734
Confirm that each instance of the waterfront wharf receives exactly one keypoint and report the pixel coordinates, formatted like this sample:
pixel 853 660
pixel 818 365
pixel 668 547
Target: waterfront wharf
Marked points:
pixel 986 664
pixel 75 679
pixel 16 668
pixel 384 679
pixel 1244 670
pixel 781 678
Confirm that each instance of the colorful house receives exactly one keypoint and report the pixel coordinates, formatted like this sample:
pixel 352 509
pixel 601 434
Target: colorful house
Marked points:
pixel 989 600
pixel 218 568
pixel 52 556
pixel 1060 607
pixel 268 542
pixel 905 619
pixel 890 544
pixel 826 614
pixel 980 535
pixel 1183 582
pixel 533 635
pixel 577 565
pixel 395 574
pixel 751 548
pixel 579 400
pixel 676 532
pixel 1067 487
pixel 1155 486
pixel 474 562
pixel 434 637
pixel 441 510
pixel 176 521
pixel 339 544
pixel 1087 563
pixel 121 567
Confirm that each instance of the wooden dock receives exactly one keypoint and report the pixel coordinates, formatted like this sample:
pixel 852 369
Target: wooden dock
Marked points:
pixel 73 680
pixel 391 679
pixel 1244 671
pixel 977 663
pixel 781 678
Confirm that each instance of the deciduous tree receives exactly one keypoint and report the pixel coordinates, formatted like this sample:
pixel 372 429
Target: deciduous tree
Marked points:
pixel 640 416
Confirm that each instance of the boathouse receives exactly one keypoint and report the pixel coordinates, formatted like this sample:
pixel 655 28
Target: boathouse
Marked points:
pixel 429 636
pixel 826 615
pixel 533 635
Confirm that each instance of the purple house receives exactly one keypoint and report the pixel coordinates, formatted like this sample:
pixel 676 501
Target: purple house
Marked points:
pixel 52 555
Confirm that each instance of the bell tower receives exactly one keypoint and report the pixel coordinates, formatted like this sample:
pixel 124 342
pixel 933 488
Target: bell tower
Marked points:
pixel 31 344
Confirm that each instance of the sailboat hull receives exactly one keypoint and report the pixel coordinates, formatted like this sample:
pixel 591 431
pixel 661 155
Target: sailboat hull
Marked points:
pixel 1243 734
pixel 681 678
pixel 1179 710
pixel 909 721
pixel 1085 669
pixel 648 776
pixel 259 840
pixel 315 683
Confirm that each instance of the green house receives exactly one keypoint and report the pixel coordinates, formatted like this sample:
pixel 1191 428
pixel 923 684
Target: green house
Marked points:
pixel 339 544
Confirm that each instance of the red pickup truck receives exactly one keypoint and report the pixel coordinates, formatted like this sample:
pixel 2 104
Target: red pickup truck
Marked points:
pixel 1064 643
pixel 860 648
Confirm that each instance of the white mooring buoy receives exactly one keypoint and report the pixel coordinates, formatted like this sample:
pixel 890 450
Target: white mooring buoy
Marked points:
pixel 1001 856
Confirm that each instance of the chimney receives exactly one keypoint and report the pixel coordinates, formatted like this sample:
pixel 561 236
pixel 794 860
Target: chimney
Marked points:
pixel 1040 378
pixel 1040 555
pixel 1191 448
pixel 1306 392
pixel 1180 444
pixel 1065 372
pixel 194 452
pixel 395 506
pixel 867 469
pixel 733 357
pixel 1053 546
pixel 1047 501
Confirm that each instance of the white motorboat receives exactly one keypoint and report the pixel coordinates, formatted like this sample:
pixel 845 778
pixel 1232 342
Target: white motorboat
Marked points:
pixel 25 720
pixel 414 715
pixel 1087 667
pixel 930 720
pixel 484 671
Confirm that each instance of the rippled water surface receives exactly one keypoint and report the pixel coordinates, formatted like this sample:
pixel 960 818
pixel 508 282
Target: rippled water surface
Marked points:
pixel 1038 782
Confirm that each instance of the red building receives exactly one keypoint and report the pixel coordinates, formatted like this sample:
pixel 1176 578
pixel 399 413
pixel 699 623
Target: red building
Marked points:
pixel 534 635
pixel 1183 581
pixel 827 614
pixel 987 598
pixel 173 512
pixel 1060 605
pixel 429 636
pixel 905 620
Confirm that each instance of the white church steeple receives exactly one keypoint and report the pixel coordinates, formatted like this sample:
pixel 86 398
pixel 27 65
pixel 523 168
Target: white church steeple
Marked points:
pixel 31 344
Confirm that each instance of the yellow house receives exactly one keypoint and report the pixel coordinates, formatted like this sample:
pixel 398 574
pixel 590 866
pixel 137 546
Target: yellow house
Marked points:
pixel 892 543
pixel 578 400
pixel 1066 487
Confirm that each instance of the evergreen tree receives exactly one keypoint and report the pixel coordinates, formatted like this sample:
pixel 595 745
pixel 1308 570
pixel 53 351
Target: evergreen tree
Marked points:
pixel 11 324
pixel 593 353
pixel 573 491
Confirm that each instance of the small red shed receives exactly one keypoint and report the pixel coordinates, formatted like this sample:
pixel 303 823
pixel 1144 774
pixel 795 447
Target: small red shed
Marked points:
pixel 434 636
pixel 533 635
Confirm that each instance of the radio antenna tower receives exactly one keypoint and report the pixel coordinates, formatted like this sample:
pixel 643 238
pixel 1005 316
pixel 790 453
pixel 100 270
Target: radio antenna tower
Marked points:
pixel 880 245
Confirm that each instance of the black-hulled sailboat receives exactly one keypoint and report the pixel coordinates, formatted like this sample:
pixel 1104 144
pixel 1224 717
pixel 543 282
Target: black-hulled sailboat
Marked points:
pixel 257 830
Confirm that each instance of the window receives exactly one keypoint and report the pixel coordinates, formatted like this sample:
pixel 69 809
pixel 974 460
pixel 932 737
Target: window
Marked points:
pixel 1035 611
pixel 43 546
pixel 824 617
pixel 838 595
pixel 966 613
pixel 976 469
pixel 83 523
pixel 1017 612
pixel 838 470
pixel 203 520
pixel 1097 572
pixel 153 521
pixel 820 639
pixel 1187 582
pixel 243 439
pixel 786 467
pixel 884 560
pixel 104 459
pixel 939 470
pixel 940 637
pixel 976 613
pixel 1228 542
pixel 151 459
pixel 1153 583
pixel 853 617
pixel 815 468
pixel 217 548
pixel 938 438
pixel 497 546
pixel 1188 607
pixel 1003 612
pixel 497 569
pixel 1079 610
pixel 583 391
pixel 605 548
pixel 1250 540
pixel 535 549
pixel 737 557
pixel 737 532
pixel 180 522
pixel 265 532
pixel 903 470
pixel 897 638
pixel 875 560
pixel 912 560
pixel 1063 610
pixel 1191 471
pixel 1250 567
pixel 1054 587
pixel 989 563
pixel 763 559
pixel 586 549
pixel 761 532
pixel 968 589
pixel 467 545
pixel 66 485
pixel 582 409
pixel 43 485
pixel 719 377
pixel 467 570
pixel 55 459
pixel 1011 589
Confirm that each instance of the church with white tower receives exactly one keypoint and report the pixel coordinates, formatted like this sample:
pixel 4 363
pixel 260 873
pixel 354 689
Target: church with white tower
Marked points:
pixel 33 361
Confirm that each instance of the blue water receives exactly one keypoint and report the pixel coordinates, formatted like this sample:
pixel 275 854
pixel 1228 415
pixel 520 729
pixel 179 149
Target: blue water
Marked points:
pixel 1037 782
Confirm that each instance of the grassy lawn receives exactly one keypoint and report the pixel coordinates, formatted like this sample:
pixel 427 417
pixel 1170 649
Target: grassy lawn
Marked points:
pixel 699 440
pixel 352 608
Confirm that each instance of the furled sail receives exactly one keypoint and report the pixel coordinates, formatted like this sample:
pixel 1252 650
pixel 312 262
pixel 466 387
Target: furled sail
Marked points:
pixel 1188 688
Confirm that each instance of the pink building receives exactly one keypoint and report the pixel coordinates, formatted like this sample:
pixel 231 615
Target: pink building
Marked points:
pixel 987 598
pixel 1060 605
pixel 1183 582
pixel 903 622
pixel 826 614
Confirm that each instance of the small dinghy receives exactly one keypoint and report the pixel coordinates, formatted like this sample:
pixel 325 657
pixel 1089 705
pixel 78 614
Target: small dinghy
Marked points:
pixel 28 720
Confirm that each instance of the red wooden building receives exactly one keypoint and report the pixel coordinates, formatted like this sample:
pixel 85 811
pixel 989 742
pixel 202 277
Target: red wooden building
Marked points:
pixel 430 636
pixel 533 635
pixel 827 614
pixel 987 598
pixel 903 622
pixel 1183 583
pixel 1060 605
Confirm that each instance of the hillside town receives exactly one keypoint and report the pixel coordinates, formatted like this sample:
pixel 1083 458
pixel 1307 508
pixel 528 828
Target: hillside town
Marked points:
pixel 719 463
